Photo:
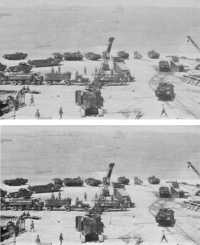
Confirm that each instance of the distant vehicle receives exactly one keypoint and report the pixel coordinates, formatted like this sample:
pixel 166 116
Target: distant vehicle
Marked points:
pixel 164 66
pixel 118 185
pixel 2 67
pixel 90 227
pixel 123 54
pixel 15 182
pixel 44 188
pixel 44 62
pixel 137 55
pixel 93 182
pixel 165 91
pixel 73 181
pixel 164 192
pixel 90 101
pixel 24 204
pixel 21 67
pixel 154 180
pixel 165 217
pixel 152 54
pixel 15 56
pixel 73 56
pixel 92 56
pixel 123 180
pixel 14 227
pixel 54 203
pixel 137 181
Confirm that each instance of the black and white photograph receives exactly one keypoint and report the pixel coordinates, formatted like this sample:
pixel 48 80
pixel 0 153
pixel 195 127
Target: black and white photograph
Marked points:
pixel 113 59
pixel 135 185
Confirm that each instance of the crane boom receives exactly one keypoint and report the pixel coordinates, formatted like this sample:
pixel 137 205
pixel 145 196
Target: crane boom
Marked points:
pixel 189 39
pixel 106 179
pixel 190 165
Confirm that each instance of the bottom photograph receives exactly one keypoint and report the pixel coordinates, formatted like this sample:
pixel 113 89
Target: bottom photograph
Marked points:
pixel 100 184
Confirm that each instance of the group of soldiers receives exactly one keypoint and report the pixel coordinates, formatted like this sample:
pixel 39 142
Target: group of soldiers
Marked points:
pixel 37 113
pixel 38 240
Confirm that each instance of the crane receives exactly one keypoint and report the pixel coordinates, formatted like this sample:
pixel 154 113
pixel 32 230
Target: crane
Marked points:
pixel 189 39
pixel 106 54
pixel 190 165
pixel 106 180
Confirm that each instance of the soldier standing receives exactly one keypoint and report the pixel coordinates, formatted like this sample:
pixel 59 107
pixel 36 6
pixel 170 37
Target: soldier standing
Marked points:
pixel 37 114
pixel 37 240
pixel 85 196
pixel 32 100
pixel 61 112
pixel 32 226
pixel 61 238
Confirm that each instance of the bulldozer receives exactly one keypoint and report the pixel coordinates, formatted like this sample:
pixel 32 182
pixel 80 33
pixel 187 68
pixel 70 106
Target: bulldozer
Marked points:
pixel 90 227
pixel 165 217
pixel 90 100
pixel 165 91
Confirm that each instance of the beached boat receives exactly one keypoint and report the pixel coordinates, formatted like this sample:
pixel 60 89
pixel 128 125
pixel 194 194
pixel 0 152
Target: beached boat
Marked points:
pixel 15 56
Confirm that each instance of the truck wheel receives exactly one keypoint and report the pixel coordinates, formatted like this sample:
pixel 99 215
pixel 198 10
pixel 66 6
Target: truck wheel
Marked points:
pixel 83 239
pixel 82 111
pixel 101 238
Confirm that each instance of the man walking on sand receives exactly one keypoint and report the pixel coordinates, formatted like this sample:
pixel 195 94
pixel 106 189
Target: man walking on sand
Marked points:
pixel 163 112
pixel 37 240
pixel 164 239
pixel 37 114
pixel 61 238
pixel 61 112
pixel 32 226
pixel 32 100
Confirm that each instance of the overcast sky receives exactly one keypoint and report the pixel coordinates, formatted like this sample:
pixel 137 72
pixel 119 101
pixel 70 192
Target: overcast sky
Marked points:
pixel 61 3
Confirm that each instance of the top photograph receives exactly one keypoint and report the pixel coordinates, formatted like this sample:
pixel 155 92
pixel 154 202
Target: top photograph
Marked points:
pixel 108 59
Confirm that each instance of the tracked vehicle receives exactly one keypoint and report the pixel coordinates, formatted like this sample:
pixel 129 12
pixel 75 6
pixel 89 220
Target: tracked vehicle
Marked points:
pixel 165 217
pixel 90 100
pixel 90 227
pixel 164 192
pixel 165 91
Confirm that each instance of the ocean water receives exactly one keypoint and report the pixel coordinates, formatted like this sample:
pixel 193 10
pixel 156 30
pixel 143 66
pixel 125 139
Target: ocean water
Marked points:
pixel 42 31
pixel 43 153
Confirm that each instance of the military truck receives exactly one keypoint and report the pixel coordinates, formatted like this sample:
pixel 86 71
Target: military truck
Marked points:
pixel 90 227
pixel 164 66
pixel 164 192
pixel 165 91
pixel 24 204
pixel 56 203
pixel 90 100
pixel 2 67
pixel 165 217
